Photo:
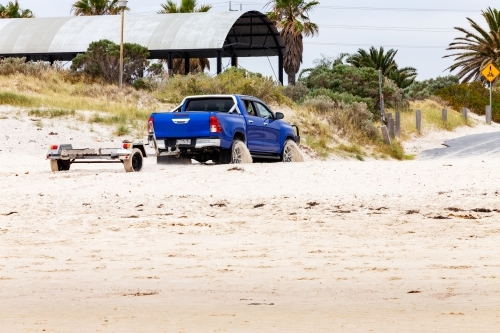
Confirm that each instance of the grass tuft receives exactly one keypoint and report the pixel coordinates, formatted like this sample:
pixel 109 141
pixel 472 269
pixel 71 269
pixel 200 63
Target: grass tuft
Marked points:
pixel 15 99
pixel 122 129
pixel 51 113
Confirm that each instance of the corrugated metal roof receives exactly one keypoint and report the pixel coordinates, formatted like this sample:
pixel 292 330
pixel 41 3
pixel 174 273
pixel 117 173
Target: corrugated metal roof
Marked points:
pixel 194 34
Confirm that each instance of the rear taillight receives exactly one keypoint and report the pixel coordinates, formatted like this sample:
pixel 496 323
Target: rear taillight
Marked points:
pixel 150 125
pixel 127 145
pixel 215 126
pixel 54 147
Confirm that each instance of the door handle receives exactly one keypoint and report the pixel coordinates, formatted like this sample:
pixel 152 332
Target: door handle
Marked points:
pixel 265 124
pixel 250 121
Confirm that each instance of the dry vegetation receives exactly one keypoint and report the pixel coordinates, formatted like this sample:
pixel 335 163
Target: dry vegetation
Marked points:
pixel 326 126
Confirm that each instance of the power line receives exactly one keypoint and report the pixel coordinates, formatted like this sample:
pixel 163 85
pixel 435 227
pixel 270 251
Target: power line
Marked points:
pixel 398 9
pixel 448 10
pixel 398 46
pixel 360 27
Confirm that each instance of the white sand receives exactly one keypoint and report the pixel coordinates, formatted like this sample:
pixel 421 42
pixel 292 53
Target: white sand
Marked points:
pixel 301 247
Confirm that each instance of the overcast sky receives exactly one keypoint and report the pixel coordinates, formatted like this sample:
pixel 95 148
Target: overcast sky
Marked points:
pixel 419 30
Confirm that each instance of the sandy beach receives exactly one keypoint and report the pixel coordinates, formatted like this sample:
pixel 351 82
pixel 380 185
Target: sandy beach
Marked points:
pixel 319 246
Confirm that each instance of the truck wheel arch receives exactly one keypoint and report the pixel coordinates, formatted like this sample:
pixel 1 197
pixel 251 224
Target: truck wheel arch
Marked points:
pixel 239 136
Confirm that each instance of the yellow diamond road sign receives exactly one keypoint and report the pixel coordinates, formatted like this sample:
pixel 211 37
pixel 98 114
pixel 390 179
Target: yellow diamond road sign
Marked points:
pixel 490 72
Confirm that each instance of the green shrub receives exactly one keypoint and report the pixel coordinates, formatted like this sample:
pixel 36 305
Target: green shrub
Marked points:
pixel 361 82
pixel 102 60
pixel 10 66
pixel 420 90
pixel 474 96
pixel 344 97
pixel 231 81
pixel 353 121
pixel 296 92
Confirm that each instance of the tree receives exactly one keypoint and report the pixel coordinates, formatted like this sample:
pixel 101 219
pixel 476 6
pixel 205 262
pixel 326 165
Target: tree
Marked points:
pixel 186 6
pixel 12 10
pixel 374 58
pixel 478 48
pixel 95 7
pixel 384 61
pixel 292 20
pixel 102 60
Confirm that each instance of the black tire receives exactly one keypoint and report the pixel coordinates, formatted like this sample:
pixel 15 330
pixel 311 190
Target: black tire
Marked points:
pixel 240 153
pixel 291 152
pixel 59 165
pixel 135 162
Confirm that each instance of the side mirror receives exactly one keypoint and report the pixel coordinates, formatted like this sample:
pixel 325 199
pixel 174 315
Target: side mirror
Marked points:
pixel 279 115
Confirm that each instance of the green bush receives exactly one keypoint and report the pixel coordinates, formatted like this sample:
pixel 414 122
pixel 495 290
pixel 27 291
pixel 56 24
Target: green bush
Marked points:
pixel 361 82
pixel 231 81
pixel 102 60
pixel 474 96
pixel 352 120
pixel 344 97
pixel 296 92
pixel 10 66
pixel 420 90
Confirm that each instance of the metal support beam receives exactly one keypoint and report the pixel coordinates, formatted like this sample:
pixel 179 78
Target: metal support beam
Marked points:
pixel 170 63
pixel 219 62
pixel 234 61
pixel 280 68
pixel 186 64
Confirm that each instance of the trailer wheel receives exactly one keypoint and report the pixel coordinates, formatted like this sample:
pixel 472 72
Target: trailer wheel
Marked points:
pixel 59 165
pixel 134 162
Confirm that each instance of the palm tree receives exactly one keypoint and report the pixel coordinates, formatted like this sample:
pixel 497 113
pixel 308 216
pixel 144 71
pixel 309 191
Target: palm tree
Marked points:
pixel 292 20
pixel 186 6
pixel 478 48
pixel 374 58
pixel 95 7
pixel 403 77
pixel 12 10
pixel 380 60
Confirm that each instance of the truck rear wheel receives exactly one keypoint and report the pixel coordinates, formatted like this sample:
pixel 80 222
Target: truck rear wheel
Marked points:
pixel 59 165
pixel 240 153
pixel 291 152
pixel 134 162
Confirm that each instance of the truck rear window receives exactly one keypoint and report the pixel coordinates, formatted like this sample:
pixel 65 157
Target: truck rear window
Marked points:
pixel 210 104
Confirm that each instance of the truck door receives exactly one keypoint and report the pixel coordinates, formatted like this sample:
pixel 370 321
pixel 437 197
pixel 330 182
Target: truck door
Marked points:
pixel 271 129
pixel 255 126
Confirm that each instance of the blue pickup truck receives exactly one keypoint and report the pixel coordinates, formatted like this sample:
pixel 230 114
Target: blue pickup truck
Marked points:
pixel 223 129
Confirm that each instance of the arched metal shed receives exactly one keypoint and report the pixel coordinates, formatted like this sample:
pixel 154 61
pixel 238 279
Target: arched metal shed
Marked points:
pixel 167 36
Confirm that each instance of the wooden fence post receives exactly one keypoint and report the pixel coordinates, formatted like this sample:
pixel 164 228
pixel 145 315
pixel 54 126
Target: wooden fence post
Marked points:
pixel 488 114
pixel 398 124
pixel 392 132
pixel 385 135
pixel 465 112
pixel 419 122
pixel 444 115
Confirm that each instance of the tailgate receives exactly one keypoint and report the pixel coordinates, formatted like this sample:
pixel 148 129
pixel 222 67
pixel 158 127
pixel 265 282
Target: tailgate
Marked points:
pixel 179 125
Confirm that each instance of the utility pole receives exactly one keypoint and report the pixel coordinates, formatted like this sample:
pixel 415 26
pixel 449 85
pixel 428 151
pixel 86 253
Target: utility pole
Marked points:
pixel 122 4
pixel 382 112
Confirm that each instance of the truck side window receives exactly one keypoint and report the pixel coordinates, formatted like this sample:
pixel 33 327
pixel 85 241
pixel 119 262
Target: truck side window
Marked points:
pixel 249 108
pixel 264 112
